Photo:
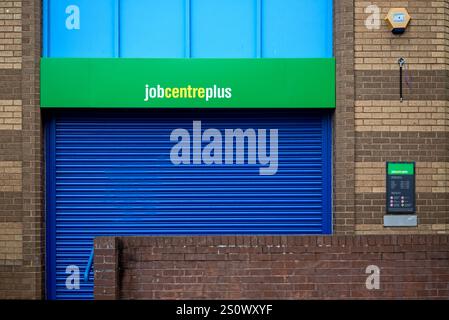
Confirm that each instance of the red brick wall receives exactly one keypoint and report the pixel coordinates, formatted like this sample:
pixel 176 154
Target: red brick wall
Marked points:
pixel 271 267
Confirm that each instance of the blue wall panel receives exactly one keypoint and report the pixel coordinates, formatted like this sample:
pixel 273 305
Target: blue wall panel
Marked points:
pixel 191 28
pixel 297 28
pixel 93 37
pixel 223 29
pixel 152 29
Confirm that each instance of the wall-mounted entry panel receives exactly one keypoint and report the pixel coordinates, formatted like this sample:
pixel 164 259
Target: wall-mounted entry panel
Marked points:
pixel 400 187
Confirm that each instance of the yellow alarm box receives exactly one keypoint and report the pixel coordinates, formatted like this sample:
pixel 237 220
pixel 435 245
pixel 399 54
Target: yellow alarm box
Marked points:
pixel 398 20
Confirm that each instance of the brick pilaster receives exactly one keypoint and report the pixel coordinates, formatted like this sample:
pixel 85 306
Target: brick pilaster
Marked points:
pixel 344 136
pixel 106 266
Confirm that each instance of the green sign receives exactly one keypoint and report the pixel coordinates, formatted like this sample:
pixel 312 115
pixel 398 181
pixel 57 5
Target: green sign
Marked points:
pixel 187 83
pixel 401 168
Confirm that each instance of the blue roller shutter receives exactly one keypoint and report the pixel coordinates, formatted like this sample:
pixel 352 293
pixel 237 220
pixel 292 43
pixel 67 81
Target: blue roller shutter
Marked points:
pixel 111 174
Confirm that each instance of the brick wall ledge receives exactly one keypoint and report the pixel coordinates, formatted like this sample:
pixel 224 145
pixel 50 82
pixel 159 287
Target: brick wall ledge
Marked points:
pixel 272 267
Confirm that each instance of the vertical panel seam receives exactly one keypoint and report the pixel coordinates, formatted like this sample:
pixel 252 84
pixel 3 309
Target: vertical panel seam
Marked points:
pixel 117 52
pixel 258 28
pixel 330 29
pixel 188 53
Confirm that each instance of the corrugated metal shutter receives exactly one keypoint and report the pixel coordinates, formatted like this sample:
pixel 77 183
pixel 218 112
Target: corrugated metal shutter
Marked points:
pixel 111 174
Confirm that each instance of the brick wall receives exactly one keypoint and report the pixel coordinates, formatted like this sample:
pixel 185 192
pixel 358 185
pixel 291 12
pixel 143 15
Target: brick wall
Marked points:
pixel 344 122
pixel 423 45
pixel 414 130
pixel 10 115
pixel 408 116
pixel 10 34
pixel 371 126
pixel 10 176
pixel 21 171
pixel 11 253
pixel 411 267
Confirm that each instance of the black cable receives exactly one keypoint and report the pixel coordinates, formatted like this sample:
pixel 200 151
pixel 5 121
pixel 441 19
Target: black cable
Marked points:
pixel 400 83
pixel 401 63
